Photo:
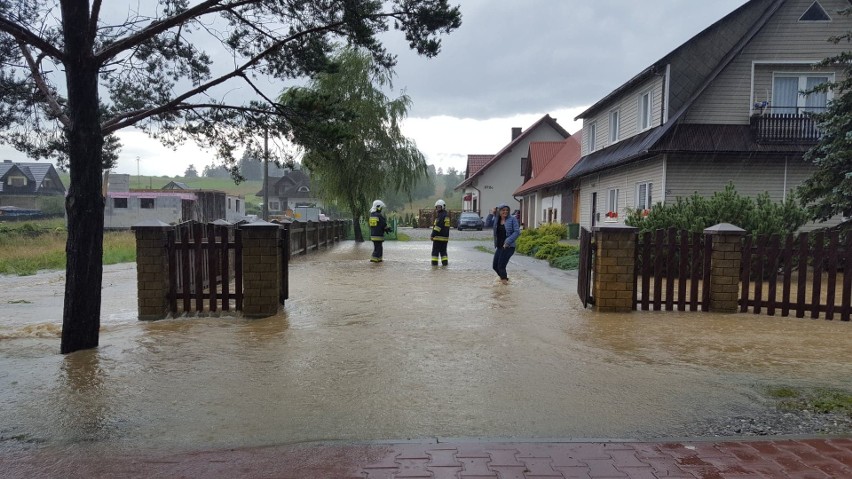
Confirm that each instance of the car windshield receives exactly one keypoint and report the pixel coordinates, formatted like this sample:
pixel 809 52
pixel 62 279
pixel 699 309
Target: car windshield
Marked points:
pixel 469 216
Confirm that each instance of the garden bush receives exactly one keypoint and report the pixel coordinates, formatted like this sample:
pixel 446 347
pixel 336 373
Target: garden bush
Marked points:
pixel 554 250
pixel 759 215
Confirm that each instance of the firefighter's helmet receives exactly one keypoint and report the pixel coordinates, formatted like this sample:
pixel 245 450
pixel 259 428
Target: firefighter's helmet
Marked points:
pixel 441 203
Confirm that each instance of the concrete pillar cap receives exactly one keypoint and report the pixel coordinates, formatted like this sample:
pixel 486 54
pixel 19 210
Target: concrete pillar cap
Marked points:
pixel 724 228
pixel 151 224
pixel 259 224
pixel 615 228
pixel 221 222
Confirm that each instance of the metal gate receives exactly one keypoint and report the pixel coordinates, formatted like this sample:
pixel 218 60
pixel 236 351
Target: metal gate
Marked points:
pixel 587 254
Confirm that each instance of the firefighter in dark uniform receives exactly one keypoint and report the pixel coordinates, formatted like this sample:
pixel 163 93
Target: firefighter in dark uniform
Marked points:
pixel 440 234
pixel 378 228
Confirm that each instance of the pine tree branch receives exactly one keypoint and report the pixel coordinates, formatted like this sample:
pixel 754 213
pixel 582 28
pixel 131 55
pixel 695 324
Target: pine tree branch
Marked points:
pixel 52 103
pixel 23 35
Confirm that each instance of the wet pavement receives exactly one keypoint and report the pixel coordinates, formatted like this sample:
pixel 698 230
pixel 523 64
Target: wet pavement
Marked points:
pixel 404 370
pixel 811 458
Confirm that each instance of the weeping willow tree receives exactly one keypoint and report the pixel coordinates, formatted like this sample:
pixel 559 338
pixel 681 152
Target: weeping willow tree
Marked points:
pixel 351 135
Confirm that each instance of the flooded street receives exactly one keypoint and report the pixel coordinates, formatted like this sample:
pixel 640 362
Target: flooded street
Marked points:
pixel 394 350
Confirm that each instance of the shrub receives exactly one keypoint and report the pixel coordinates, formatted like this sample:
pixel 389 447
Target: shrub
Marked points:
pixel 758 215
pixel 528 244
pixel 571 261
pixel 554 250
pixel 556 229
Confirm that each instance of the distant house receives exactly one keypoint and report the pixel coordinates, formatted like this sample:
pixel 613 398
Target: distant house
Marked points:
pixel 546 196
pixel 126 207
pixel 176 185
pixel 726 106
pixel 289 192
pixel 33 186
pixel 492 179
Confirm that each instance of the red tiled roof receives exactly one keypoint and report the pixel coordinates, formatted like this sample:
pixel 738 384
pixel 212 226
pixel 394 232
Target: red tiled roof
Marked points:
pixel 556 168
pixel 475 162
pixel 541 152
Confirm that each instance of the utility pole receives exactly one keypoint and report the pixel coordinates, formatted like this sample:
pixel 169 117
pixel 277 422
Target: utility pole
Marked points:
pixel 265 173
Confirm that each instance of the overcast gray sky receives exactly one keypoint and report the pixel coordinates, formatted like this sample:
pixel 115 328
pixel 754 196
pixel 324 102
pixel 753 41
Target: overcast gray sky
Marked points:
pixel 510 63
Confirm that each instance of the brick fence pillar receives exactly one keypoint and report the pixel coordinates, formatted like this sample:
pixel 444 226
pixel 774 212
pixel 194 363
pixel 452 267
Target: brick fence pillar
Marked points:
pixel 615 260
pixel 260 269
pixel 725 267
pixel 152 269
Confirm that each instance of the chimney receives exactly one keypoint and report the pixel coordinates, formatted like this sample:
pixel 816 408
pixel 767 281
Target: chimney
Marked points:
pixel 516 132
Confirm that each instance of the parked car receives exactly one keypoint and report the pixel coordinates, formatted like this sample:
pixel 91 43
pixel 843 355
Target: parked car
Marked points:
pixel 470 221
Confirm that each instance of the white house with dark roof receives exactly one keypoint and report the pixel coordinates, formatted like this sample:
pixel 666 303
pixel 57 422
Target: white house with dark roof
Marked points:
pixel 496 179
pixel 726 106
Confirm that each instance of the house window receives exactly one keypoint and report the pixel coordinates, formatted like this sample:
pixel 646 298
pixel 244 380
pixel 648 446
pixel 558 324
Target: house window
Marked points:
pixel 17 181
pixel 787 96
pixel 614 122
pixel 593 132
pixel 643 196
pixel 612 205
pixel 47 183
pixel 238 205
pixel 304 189
pixel 815 13
pixel 229 203
pixel 119 202
pixel 645 111
pixel 274 205
pixel 146 203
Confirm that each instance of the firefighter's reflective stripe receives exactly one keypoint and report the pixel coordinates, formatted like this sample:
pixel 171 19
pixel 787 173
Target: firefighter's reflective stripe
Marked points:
pixel 377 238
pixel 374 221
pixel 437 228
pixel 440 238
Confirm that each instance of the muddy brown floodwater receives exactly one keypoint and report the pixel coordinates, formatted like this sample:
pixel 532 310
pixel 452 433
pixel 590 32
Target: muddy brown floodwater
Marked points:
pixel 394 350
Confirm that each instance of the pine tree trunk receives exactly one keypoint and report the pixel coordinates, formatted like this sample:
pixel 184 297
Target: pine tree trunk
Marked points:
pixel 84 204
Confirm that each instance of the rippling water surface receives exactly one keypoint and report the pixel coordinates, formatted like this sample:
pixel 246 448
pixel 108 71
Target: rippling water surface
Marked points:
pixel 390 351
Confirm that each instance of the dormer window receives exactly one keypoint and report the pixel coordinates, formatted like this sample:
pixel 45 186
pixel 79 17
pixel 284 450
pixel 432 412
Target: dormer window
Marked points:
pixel 17 181
pixel 815 13
pixel 304 189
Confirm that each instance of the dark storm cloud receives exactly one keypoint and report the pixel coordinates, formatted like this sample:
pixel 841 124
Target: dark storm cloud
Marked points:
pixel 515 57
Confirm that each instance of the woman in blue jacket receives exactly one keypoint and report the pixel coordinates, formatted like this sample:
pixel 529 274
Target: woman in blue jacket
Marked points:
pixel 506 232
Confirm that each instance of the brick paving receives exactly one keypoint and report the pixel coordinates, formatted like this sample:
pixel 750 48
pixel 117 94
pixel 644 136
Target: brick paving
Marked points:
pixel 816 458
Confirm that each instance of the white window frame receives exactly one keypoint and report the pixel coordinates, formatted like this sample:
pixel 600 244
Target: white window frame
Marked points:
pixel 643 118
pixel 803 82
pixel 648 195
pixel 614 125
pixel 593 133
pixel 274 205
pixel 145 204
pixel 17 181
pixel 611 204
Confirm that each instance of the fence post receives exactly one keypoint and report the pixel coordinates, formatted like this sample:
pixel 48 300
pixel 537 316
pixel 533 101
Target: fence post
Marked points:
pixel 614 274
pixel 260 269
pixel 152 269
pixel 725 261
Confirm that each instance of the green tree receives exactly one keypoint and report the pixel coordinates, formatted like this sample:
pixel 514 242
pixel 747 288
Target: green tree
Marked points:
pixel 190 172
pixel 363 152
pixel 829 191
pixel 87 71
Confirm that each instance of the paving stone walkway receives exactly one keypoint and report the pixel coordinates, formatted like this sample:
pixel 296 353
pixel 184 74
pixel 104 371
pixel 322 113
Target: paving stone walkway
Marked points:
pixel 822 458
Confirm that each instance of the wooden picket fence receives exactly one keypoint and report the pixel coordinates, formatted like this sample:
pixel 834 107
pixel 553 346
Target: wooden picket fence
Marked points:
pixel 205 261
pixel 671 268
pixel 807 275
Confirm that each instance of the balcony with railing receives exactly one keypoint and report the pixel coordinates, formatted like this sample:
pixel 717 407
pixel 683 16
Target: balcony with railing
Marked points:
pixel 784 125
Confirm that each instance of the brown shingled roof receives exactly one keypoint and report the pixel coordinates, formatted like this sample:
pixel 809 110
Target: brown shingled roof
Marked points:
pixel 556 168
pixel 475 162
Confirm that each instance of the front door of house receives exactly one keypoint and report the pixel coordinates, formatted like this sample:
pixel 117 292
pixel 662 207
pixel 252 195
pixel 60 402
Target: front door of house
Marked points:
pixel 594 208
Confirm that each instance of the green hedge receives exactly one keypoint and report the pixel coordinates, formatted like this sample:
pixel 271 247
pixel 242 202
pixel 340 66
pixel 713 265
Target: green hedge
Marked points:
pixel 543 243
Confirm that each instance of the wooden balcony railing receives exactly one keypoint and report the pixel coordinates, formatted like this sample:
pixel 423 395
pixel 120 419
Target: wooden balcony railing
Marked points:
pixel 784 128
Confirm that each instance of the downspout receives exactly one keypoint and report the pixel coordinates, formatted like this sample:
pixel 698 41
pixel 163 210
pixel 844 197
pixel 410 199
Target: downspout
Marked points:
pixel 478 195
